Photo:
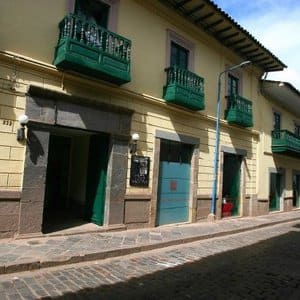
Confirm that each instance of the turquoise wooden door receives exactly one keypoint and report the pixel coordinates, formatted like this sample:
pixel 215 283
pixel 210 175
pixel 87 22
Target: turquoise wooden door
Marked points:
pixel 173 183
pixel 96 179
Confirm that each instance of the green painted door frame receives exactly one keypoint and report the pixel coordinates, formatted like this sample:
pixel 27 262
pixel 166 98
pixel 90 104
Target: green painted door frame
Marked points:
pixel 275 191
pixel 296 190
pixel 96 178
pixel 232 180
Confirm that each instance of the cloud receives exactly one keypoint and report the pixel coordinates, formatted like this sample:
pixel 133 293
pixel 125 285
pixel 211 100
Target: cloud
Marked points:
pixel 275 24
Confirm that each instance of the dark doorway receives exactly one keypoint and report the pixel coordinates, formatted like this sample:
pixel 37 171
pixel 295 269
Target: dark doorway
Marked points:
pixel 75 180
pixel 57 179
pixel 296 190
pixel 231 184
pixel 275 191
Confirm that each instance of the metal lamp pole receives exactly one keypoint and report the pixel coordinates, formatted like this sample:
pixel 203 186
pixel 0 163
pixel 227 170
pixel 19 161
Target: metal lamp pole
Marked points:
pixel 212 214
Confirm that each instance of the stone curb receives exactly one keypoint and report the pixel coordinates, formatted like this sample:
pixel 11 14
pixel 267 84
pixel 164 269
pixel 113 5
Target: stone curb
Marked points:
pixel 30 265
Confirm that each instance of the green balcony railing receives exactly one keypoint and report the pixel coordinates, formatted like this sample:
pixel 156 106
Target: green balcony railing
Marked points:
pixel 184 88
pixel 87 48
pixel 285 142
pixel 239 111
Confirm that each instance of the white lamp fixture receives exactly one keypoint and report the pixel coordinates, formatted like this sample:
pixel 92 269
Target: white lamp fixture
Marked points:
pixel 133 145
pixel 23 120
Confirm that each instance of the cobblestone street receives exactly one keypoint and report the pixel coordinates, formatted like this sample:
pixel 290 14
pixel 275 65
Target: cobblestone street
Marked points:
pixel 260 264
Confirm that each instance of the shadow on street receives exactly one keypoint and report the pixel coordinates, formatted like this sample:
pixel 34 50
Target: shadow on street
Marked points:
pixel 266 270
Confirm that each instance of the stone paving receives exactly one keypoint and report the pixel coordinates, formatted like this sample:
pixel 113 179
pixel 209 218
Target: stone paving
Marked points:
pixel 257 264
pixel 37 253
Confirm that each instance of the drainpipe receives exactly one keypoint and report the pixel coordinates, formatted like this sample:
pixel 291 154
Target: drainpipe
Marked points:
pixel 212 215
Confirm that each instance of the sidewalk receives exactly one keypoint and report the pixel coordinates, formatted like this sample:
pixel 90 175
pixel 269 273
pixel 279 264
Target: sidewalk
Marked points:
pixel 43 252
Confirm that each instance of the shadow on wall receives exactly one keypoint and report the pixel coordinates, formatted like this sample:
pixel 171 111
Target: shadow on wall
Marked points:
pixel 35 147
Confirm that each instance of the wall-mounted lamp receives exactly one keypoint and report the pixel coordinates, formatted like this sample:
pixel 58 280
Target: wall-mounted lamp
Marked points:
pixel 23 120
pixel 133 145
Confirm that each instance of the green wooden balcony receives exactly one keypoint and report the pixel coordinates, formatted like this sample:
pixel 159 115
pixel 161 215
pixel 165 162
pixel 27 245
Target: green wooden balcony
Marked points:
pixel 89 49
pixel 239 111
pixel 285 142
pixel 184 88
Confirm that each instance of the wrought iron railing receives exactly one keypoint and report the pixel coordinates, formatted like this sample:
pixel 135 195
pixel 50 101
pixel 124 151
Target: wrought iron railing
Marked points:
pixel 188 79
pixel 285 140
pixel 90 34
pixel 239 110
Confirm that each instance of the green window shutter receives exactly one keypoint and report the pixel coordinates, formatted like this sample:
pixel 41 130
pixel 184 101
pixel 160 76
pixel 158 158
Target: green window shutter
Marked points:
pixel 233 85
pixel 179 56
pixel 276 121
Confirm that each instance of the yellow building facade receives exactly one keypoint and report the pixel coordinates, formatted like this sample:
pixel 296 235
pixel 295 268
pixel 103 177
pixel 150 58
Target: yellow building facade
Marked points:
pixel 90 75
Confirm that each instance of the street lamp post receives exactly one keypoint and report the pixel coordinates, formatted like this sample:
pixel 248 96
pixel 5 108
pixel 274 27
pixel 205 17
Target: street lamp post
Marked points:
pixel 212 214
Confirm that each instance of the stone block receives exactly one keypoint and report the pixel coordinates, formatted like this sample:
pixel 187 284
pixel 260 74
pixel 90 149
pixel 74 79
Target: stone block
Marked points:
pixel 9 222
pixel 17 153
pixel 6 125
pixel 137 211
pixel 11 166
pixel 3 180
pixel 31 214
pixel 10 113
pixel 116 212
pixel 34 176
pixel 20 102
pixel 15 180
pixel 40 110
pixel 203 208
pixel 33 194
pixel 7 100
pixel 4 152
pixel 37 150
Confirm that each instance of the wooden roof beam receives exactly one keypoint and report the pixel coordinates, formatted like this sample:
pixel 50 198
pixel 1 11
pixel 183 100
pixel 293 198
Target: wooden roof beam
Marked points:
pixel 250 51
pixel 243 47
pixel 227 37
pixel 236 42
pixel 223 30
pixel 214 24
pixel 209 15
pixel 181 3
pixel 195 9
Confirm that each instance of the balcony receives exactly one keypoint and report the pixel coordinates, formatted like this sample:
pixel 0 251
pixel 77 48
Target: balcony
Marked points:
pixel 239 111
pixel 184 88
pixel 285 142
pixel 89 49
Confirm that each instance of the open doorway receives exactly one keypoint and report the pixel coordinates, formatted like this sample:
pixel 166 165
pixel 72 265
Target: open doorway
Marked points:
pixel 75 179
pixel 275 191
pixel 231 184
pixel 296 191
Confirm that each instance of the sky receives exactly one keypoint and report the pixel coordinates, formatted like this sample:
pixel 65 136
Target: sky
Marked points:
pixel 276 25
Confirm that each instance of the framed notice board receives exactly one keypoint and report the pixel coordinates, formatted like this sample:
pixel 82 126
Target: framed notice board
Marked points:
pixel 139 172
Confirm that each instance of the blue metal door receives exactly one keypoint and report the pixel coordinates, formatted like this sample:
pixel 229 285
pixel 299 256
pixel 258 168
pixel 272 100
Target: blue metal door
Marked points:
pixel 173 183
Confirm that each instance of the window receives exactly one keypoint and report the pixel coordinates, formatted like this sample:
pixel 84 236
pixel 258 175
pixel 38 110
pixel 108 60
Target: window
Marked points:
pixel 180 52
pixel 233 85
pixel 297 129
pixel 95 11
pixel 276 121
pixel 179 56
pixel 102 12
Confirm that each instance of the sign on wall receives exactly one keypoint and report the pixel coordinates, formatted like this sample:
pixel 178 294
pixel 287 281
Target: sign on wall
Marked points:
pixel 139 173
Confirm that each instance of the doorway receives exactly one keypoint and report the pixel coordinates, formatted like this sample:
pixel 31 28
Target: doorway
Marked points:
pixel 174 182
pixel 296 191
pixel 275 191
pixel 231 184
pixel 75 179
